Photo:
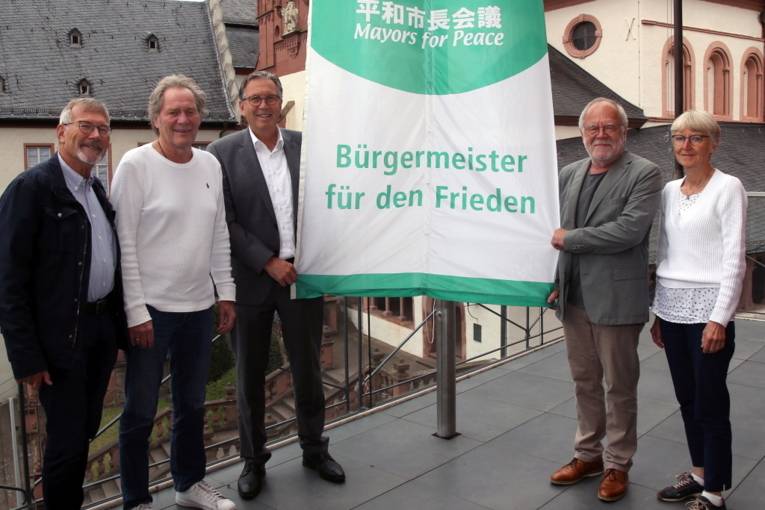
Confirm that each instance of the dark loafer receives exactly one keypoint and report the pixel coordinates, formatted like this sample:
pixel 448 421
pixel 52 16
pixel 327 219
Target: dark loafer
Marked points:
pixel 326 466
pixel 251 480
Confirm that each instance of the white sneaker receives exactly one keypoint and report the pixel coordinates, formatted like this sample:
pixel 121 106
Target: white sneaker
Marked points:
pixel 201 495
pixel 143 506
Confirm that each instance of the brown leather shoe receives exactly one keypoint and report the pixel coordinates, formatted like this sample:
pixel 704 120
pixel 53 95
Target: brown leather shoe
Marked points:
pixel 575 471
pixel 613 486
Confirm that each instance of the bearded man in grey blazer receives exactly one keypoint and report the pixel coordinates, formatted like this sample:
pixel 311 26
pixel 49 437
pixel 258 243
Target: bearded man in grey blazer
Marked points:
pixel 261 171
pixel 608 202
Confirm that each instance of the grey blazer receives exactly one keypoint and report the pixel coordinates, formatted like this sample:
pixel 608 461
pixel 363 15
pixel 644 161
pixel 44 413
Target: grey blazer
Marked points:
pixel 249 212
pixel 612 245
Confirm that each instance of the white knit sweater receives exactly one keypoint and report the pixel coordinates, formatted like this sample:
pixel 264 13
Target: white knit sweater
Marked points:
pixel 171 223
pixel 705 247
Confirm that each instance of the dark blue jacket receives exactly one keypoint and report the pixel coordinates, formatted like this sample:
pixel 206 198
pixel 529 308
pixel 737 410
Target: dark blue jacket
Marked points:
pixel 44 269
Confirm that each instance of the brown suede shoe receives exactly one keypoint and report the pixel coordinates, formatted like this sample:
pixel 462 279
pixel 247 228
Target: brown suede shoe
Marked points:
pixel 575 471
pixel 613 486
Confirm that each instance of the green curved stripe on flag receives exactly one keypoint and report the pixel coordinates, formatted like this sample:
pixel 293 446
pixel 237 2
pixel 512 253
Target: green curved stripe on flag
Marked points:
pixel 451 288
pixel 392 54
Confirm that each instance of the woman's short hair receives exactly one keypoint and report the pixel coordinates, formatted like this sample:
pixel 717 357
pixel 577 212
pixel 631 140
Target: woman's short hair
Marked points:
pixel 700 121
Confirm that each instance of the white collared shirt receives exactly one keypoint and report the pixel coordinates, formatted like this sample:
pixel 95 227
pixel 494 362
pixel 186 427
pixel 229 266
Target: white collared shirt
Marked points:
pixel 103 258
pixel 279 182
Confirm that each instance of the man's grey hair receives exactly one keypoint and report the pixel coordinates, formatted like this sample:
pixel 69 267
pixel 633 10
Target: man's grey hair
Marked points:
pixel 261 75
pixel 180 81
pixel 619 109
pixel 87 104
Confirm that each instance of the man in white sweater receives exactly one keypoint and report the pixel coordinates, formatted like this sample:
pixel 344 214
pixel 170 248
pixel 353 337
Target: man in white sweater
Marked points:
pixel 171 224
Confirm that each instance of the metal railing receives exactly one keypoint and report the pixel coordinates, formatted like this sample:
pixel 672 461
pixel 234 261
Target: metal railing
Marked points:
pixel 376 368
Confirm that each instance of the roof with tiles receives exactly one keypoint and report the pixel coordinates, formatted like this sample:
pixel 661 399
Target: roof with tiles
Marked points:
pixel 240 12
pixel 244 44
pixel 739 153
pixel 42 68
pixel 573 88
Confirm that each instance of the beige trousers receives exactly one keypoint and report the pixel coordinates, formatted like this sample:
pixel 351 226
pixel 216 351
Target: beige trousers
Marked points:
pixel 598 353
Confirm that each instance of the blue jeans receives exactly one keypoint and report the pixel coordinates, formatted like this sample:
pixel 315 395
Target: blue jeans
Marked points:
pixel 186 337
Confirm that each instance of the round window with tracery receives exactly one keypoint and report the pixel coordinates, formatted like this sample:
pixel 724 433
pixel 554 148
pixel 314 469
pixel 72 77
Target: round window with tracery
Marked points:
pixel 582 36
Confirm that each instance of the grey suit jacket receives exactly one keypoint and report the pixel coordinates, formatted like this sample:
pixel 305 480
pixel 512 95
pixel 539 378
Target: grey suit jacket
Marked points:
pixel 249 212
pixel 612 245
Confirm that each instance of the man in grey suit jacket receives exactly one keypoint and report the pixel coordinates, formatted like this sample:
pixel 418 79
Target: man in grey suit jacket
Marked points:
pixel 261 170
pixel 608 202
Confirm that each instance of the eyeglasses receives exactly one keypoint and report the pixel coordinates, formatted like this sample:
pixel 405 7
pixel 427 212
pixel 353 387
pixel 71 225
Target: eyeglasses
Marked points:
pixel 270 100
pixel 694 139
pixel 86 128
pixel 609 129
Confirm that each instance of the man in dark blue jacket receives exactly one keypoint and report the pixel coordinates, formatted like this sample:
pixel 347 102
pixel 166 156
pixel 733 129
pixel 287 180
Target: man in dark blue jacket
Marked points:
pixel 61 311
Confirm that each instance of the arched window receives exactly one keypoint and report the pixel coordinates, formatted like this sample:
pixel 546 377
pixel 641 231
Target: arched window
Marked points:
pixel 668 78
pixel 75 38
pixel 152 42
pixel 717 81
pixel 752 85
pixel 84 88
pixel 582 36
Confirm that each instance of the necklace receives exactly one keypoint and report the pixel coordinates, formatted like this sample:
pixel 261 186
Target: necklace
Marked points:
pixel 158 146
pixel 689 189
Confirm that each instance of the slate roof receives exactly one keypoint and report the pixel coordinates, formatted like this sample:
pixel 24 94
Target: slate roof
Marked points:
pixel 573 88
pixel 740 153
pixel 240 12
pixel 42 70
pixel 244 44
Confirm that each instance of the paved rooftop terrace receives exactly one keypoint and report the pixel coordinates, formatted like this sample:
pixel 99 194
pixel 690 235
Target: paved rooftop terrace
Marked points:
pixel 516 424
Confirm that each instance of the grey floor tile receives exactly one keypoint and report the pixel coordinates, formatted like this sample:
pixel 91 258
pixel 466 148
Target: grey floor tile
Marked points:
pixel 653 412
pixel 566 408
pixel 526 390
pixel 479 379
pixel 403 448
pixel 414 495
pixel 670 429
pixel 759 357
pixel 583 496
pixel 478 417
pixel 750 492
pixel 534 357
pixel 490 478
pixel 548 436
pixel 354 427
pixel 656 384
pixel 292 487
pixel 749 373
pixel 413 405
pixel 745 349
pixel 555 367
pixel 750 330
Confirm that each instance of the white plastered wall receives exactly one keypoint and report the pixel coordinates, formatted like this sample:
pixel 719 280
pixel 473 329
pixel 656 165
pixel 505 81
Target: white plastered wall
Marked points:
pixel 629 58
pixel 13 139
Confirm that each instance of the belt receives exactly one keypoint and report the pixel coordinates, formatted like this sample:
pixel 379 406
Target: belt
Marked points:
pixel 96 307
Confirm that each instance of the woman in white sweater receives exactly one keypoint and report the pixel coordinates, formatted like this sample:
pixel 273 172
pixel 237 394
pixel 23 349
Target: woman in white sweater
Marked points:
pixel 700 268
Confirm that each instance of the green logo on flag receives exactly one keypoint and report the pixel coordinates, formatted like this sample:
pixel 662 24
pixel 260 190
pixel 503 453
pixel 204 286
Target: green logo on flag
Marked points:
pixel 431 46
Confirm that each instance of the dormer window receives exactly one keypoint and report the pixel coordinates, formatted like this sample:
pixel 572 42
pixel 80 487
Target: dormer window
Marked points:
pixel 152 42
pixel 84 88
pixel 75 38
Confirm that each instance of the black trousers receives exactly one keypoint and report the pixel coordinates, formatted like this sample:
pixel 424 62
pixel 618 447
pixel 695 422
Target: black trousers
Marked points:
pixel 301 321
pixel 73 405
pixel 702 391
